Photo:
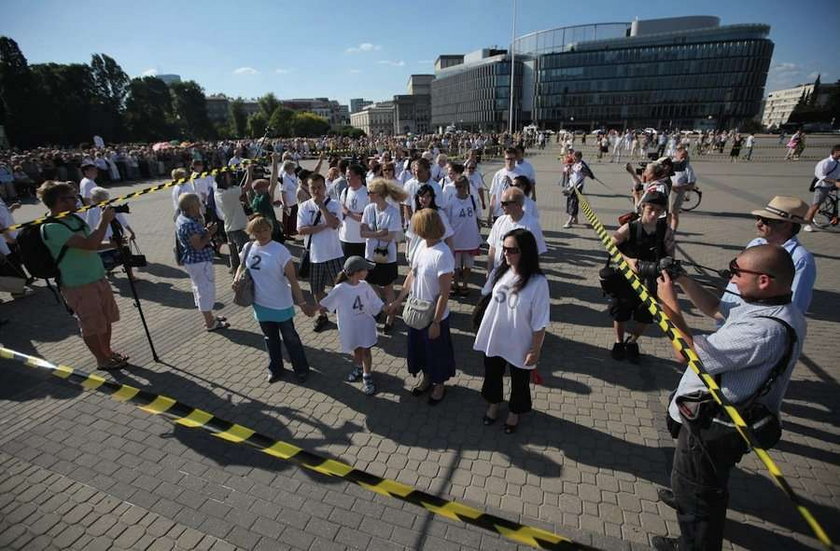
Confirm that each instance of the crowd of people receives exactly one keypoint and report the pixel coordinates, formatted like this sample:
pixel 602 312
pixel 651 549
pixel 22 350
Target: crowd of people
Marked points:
pixel 348 221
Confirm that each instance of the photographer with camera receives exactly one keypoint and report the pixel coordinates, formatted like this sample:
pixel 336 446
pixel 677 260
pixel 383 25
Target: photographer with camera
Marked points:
pixel 751 356
pixel 643 243
pixel 74 248
pixel 111 254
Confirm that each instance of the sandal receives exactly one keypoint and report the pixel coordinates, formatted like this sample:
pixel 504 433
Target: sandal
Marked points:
pixel 112 364
pixel 217 324
pixel 221 318
pixel 420 388
pixel 118 356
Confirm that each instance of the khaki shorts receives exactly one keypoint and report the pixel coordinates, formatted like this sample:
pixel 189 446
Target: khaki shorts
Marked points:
pixel 676 199
pixel 93 305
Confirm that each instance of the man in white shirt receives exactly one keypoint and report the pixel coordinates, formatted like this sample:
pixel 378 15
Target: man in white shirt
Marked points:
pixel 527 169
pixel 353 201
pixel 682 180
pixel 89 174
pixel 502 180
pixel 515 217
pixel 422 175
pixel 439 168
pixel 827 175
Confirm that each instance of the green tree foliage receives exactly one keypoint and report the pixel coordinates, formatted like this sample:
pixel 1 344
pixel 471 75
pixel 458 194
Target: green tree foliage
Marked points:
pixel 65 98
pixel 148 110
pixel 256 125
pixel 268 103
pixel 111 86
pixel 280 122
pixel 16 101
pixel 238 118
pixel 190 109
pixel 309 125
pixel 351 132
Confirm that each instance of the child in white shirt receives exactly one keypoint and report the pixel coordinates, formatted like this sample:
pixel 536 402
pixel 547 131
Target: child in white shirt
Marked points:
pixel 356 303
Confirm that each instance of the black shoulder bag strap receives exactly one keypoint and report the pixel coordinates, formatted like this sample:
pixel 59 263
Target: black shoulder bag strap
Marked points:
pixel 315 223
pixel 781 365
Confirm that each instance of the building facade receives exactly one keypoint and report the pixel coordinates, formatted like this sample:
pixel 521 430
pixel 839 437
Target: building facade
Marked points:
pixel 475 94
pixel 681 72
pixel 376 119
pixel 357 104
pixel 218 108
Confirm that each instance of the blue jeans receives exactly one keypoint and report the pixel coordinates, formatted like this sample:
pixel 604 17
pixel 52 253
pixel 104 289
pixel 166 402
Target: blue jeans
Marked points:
pixel 273 330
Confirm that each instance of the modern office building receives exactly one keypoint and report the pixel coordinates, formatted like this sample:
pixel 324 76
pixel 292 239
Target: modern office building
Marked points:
pixel 686 72
pixel 780 104
pixel 357 104
pixel 472 92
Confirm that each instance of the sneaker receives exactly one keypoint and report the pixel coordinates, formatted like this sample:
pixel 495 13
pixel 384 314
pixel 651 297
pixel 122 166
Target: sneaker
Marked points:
pixel 632 351
pixel 808 227
pixel 567 225
pixel 320 324
pixel 354 375
pixel 617 352
pixel 666 496
pixel 367 385
pixel 661 543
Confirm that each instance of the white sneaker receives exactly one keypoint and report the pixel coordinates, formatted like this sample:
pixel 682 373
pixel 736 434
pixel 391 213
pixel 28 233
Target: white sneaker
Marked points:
pixel 808 227
pixel 567 225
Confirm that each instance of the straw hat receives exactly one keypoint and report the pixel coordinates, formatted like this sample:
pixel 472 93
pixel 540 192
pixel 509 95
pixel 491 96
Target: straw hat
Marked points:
pixel 788 209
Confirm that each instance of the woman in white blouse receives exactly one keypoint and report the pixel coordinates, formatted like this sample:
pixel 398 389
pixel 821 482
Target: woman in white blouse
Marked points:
pixel 513 326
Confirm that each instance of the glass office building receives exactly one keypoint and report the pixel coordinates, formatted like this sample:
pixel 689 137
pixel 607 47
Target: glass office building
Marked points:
pixel 681 72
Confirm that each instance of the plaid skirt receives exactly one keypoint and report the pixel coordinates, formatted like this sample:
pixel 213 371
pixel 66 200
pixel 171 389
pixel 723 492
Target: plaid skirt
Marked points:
pixel 322 274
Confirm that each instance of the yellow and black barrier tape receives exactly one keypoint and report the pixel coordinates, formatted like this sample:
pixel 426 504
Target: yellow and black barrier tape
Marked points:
pixel 679 342
pixel 190 417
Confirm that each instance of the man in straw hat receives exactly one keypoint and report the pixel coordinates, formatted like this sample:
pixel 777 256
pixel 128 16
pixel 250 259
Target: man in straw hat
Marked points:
pixel 777 224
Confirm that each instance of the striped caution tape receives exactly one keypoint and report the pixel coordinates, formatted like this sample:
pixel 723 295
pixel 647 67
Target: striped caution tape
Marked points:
pixel 190 417
pixel 678 340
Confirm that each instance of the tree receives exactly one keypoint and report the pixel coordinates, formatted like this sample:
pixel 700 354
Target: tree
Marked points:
pixel 280 122
pixel 16 101
pixel 238 117
pixel 111 86
pixel 190 109
pixel 65 97
pixel 148 110
pixel 256 124
pixel 309 125
pixel 268 103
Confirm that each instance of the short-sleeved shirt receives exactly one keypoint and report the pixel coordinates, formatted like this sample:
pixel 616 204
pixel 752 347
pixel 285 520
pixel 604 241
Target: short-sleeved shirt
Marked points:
pixel 261 204
pixel 356 306
pixel 427 265
pixel 267 265
pixel 355 200
pixel 505 224
pixel 512 318
pixel 381 220
pixel 85 187
pixel 463 215
pixel 744 351
pixel 186 228
pixel 502 180
pixel 228 201
pixel 324 245
pixel 827 168
pixel 79 266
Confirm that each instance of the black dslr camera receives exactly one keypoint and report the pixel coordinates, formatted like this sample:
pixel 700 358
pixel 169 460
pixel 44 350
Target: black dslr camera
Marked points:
pixel 647 269
pixel 121 209
pixel 123 253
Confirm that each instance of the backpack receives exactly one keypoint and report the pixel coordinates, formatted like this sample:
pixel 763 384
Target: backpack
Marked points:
pixel 36 255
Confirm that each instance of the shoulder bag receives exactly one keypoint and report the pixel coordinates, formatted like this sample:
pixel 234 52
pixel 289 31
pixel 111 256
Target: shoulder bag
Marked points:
pixel 418 313
pixel 243 284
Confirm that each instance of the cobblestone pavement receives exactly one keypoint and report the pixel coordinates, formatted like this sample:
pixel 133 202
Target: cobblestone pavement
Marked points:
pixel 80 471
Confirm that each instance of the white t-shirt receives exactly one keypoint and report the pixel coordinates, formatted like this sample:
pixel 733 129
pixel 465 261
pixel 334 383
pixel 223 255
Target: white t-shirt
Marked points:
pixel 379 220
pixel 512 318
pixel 476 181
pixel 324 245
pixel 227 200
pixel 204 187
pixel 180 189
pixel 93 216
pixel 267 265
pixel 505 224
pixel 412 186
pixel 463 215
pixel 427 265
pixel 528 170
pixel 356 306
pixel 85 187
pixel 355 201
pixel 288 187
pixel 502 180
pixel 530 207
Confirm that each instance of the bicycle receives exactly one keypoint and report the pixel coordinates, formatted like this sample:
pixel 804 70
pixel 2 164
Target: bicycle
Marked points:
pixel 826 215
pixel 692 198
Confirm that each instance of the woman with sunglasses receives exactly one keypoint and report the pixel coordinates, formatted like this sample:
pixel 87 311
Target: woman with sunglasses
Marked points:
pixel 513 326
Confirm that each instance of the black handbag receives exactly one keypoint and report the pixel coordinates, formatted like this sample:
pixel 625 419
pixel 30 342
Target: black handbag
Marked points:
pixel 707 420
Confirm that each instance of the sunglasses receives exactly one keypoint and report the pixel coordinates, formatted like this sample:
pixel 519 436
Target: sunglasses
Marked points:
pixel 767 221
pixel 736 270
pixel 510 250
pixel 508 203
pixel 510 158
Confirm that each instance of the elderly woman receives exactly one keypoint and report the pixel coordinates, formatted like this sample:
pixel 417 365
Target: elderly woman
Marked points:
pixel 429 281
pixel 513 326
pixel 196 255
pixel 276 291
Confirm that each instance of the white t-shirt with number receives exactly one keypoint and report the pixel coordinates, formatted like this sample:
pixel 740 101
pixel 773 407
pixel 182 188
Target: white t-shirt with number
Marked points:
pixel 355 200
pixel 267 264
pixel 463 215
pixel 512 318
pixel 356 306
pixel 324 245
pixel 380 220
pixel 427 265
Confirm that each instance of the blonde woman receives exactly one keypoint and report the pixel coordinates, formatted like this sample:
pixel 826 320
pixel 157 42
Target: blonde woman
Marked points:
pixel 195 238
pixel 381 225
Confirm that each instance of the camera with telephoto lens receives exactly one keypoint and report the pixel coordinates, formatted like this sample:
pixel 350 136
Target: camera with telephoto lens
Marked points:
pixel 648 269
pixel 121 209
pixel 123 253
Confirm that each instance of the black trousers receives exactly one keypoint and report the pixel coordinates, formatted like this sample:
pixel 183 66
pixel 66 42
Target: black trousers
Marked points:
pixel 493 388
pixel 700 482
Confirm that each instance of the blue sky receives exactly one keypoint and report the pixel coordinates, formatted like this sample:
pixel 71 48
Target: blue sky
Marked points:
pixel 363 48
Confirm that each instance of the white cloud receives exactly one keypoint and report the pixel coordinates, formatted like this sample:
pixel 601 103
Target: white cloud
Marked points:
pixel 149 73
pixel 245 71
pixel 354 71
pixel 363 47
pixel 785 68
pixel 283 71
pixel 399 63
